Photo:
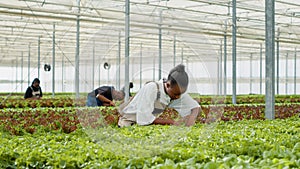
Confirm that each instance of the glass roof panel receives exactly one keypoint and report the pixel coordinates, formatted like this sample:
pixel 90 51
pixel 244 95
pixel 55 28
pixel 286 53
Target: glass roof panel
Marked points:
pixel 197 26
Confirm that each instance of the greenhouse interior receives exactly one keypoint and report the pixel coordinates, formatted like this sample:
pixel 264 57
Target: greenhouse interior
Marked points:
pixel 241 58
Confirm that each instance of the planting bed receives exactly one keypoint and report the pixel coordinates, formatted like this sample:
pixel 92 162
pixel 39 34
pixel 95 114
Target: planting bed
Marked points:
pixel 242 144
pixel 63 133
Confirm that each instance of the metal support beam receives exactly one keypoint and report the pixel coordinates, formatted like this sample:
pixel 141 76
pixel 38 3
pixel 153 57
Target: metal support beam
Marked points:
pixel 174 51
pixel 225 59
pixel 119 63
pixel 39 56
pixel 218 76
pixel 93 69
pixel 28 66
pixel 99 74
pixel 159 45
pixel 277 65
pixel 153 76
pixel 141 63
pixel 62 73
pixel 181 55
pixel 17 66
pixel 220 69
pixel 286 73
pixel 233 51
pixel 12 77
pixel 251 72
pixel 295 71
pixel 22 65
pixel 260 70
pixel 270 59
pixel 53 62
pixel 85 73
pixel 127 42
pixel 77 50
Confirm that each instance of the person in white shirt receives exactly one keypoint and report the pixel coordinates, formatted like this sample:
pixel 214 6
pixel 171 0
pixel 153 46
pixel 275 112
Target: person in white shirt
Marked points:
pixel 151 100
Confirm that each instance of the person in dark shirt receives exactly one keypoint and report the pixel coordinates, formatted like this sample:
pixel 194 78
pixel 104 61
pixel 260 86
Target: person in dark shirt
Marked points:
pixel 34 91
pixel 104 96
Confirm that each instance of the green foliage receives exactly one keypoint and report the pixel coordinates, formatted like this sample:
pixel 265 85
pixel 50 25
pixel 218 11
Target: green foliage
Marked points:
pixel 61 133
pixel 241 144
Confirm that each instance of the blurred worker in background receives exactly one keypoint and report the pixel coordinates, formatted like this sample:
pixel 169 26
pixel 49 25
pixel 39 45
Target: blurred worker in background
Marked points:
pixel 34 91
pixel 104 96
pixel 130 87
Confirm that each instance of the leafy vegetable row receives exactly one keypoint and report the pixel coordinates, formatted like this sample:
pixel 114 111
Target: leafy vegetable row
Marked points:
pixel 44 102
pixel 67 100
pixel 244 99
pixel 251 144
pixel 30 120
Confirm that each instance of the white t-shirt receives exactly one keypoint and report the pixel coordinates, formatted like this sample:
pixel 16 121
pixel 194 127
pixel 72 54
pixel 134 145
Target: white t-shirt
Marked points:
pixel 143 103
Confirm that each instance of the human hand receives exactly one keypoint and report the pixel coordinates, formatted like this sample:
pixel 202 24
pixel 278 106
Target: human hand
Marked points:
pixel 111 103
pixel 179 122
pixel 34 98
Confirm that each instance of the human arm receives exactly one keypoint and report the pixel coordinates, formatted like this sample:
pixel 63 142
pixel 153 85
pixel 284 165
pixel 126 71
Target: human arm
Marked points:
pixel 188 109
pixel 162 121
pixel 106 101
pixel 190 119
pixel 41 93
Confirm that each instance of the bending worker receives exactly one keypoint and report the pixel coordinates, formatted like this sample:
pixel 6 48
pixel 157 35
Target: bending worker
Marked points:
pixel 104 96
